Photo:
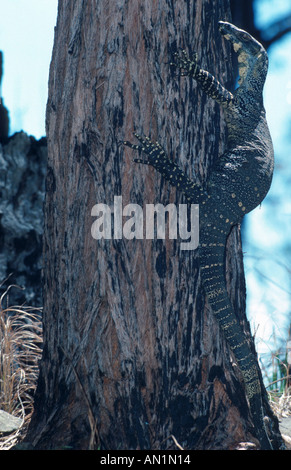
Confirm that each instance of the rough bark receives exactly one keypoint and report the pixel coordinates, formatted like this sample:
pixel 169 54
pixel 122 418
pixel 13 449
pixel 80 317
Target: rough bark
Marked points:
pixel 132 354
pixel 22 186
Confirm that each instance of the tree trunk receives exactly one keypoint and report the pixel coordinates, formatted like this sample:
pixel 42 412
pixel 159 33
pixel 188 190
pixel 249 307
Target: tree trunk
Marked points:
pixel 132 354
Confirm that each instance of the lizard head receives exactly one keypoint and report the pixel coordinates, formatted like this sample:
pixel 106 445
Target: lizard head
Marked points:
pixel 240 39
pixel 252 57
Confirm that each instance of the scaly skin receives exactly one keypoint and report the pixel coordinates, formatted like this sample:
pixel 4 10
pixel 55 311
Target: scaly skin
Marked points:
pixel 238 182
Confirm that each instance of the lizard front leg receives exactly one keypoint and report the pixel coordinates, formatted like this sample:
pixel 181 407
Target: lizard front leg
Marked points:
pixel 156 157
pixel 206 81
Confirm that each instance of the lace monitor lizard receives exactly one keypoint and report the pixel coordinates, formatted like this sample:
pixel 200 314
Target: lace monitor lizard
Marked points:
pixel 238 182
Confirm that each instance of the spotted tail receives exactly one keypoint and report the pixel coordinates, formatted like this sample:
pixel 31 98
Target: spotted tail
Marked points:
pixel 212 266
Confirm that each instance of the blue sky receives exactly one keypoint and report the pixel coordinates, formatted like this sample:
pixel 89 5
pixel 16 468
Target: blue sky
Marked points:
pixel 26 38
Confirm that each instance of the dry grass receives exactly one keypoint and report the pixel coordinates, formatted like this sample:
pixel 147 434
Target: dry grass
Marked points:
pixel 278 380
pixel 20 351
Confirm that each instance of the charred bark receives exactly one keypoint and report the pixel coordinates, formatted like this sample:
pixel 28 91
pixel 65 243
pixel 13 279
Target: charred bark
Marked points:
pixel 132 354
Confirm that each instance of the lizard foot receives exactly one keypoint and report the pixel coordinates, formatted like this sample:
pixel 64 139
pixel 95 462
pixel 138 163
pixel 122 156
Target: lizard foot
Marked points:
pixel 154 151
pixel 187 66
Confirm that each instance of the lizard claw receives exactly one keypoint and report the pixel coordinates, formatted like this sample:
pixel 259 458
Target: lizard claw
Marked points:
pixel 139 160
pixel 130 145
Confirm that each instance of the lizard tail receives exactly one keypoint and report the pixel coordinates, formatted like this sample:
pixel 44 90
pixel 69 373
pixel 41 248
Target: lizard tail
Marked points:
pixel 212 266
